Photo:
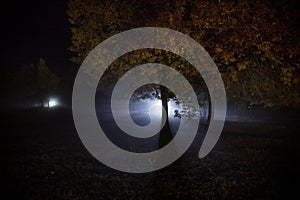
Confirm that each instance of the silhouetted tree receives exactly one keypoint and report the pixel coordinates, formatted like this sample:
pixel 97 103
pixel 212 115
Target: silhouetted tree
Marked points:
pixel 35 82
pixel 254 43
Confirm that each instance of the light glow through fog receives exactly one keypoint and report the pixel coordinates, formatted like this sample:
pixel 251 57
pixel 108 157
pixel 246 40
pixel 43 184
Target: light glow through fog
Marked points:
pixel 53 102
pixel 155 106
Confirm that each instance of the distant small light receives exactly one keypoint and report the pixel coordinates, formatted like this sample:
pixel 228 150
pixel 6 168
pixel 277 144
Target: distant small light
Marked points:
pixel 53 102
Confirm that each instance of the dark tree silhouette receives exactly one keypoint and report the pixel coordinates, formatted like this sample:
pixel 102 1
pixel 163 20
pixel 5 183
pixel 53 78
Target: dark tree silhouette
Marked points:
pixel 35 82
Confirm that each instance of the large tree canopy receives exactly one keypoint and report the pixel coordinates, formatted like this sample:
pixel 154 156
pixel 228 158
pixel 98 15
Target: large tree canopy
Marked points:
pixel 254 43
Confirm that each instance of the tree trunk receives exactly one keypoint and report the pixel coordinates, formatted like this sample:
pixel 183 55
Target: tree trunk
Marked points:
pixel 165 133
pixel 162 189
pixel 42 102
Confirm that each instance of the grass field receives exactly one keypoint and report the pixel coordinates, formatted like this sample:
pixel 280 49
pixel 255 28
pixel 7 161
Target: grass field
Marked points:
pixel 43 158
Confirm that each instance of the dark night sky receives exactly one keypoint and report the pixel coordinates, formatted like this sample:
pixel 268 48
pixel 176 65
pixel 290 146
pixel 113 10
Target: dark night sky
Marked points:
pixel 33 29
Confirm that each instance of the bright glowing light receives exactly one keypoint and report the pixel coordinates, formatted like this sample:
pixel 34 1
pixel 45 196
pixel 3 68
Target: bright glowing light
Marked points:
pixel 156 108
pixel 53 102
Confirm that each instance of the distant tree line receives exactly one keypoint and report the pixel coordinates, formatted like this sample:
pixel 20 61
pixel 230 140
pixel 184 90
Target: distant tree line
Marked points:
pixel 32 84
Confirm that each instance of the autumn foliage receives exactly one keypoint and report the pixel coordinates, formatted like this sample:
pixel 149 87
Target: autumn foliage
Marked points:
pixel 254 43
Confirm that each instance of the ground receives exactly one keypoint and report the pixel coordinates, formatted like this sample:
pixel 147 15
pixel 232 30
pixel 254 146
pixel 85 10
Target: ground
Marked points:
pixel 43 158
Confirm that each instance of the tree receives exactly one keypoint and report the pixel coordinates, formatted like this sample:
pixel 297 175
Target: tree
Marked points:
pixel 119 16
pixel 35 82
pixel 253 43
pixel 245 38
